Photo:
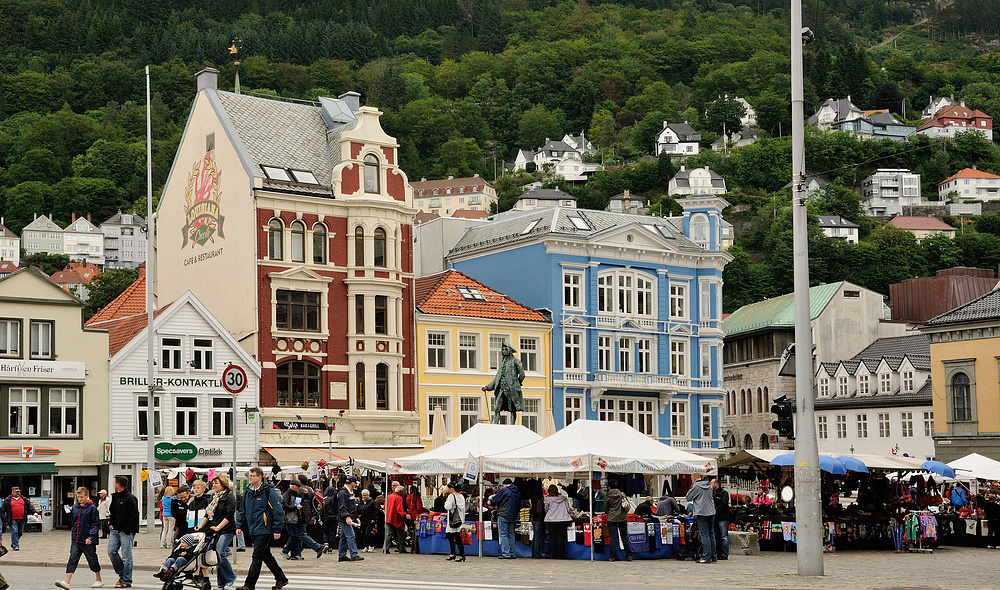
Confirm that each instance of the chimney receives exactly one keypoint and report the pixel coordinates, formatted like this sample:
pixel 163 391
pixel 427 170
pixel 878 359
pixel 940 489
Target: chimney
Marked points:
pixel 353 100
pixel 208 79
pixel 962 103
pixel 664 124
pixel 72 217
pixel 476 175
pixel 451 178
pixel 626 194
pixel 682 167
pixel 423 179
pixel 90 222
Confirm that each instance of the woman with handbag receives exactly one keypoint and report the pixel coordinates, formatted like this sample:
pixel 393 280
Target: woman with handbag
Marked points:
pixel 220 519
pixel 455 507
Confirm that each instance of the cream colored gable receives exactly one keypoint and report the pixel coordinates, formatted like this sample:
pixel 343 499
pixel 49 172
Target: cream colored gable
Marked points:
pixel 633 236
pixel 25 284
pixel 298 275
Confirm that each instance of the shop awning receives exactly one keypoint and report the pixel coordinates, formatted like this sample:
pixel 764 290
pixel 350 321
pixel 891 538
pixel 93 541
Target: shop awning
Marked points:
pixel 291 455
pixel 27 468
pixel 879 462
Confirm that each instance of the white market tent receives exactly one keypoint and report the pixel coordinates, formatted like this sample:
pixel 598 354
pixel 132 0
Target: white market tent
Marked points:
pixel 590 445
pixel 479 441
pixel 975 466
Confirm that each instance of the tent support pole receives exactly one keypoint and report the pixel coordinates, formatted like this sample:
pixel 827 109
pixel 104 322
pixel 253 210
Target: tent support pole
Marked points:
pixel 590 502
pixel 481 532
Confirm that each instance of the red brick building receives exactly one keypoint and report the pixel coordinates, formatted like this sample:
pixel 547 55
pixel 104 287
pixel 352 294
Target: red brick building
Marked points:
pixel 293 223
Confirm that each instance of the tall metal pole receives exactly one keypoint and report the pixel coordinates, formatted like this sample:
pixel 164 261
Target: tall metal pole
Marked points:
pixel 808 515
pixel 150 383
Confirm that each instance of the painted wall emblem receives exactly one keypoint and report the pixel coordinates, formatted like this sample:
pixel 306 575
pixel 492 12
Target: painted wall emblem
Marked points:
pixel 201 203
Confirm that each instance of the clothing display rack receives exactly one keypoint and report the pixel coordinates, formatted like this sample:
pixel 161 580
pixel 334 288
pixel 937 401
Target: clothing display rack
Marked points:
pixel 920 525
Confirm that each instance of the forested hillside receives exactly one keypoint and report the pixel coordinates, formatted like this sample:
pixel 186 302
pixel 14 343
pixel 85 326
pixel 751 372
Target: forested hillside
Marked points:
pixel 465 83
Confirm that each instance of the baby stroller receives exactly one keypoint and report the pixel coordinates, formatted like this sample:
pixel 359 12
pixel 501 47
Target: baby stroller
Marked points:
pixel 204 556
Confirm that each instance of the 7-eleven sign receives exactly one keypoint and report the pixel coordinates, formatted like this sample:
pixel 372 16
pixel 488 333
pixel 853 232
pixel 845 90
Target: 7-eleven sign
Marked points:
pixel 27 451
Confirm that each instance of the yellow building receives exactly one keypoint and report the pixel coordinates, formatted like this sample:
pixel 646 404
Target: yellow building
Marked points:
pixel 461 325
pixel 54 388
pixel 965 352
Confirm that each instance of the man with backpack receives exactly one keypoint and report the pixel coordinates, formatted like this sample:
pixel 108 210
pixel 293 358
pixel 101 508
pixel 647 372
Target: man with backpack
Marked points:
pixel 261 517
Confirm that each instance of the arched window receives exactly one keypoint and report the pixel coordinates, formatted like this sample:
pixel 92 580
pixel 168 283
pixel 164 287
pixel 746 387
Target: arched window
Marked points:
pixel 764 444
pixel 359 246
pixel 382 386
pixel 274 234
pixel 298 241
pixel 743 401
pixel 748 442
pixel 699 229
pixel 319 244
pixel 359 372
pixel 371 174
pixel 760 401
pixel 298 384
pixel 380 247
pixel 962 396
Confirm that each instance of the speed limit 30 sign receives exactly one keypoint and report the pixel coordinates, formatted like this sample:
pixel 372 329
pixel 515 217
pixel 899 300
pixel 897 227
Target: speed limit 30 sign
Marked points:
pixel 234 379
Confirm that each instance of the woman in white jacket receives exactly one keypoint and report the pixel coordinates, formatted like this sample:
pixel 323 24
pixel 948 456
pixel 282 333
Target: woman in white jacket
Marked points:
pixel 454 506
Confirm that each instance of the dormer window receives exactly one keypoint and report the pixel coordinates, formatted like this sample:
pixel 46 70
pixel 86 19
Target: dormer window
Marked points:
pixel 371 174
pixel 579 223
pixel 275 173
pixel 304 176
pixel 471 293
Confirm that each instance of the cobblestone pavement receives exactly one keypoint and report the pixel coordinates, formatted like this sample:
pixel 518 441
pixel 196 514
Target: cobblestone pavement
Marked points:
pixel 42 560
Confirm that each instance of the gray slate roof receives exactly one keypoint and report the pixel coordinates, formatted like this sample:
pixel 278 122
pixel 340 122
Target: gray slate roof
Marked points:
pixel 842 106
pixel 557 145
pixel 116 219
pixel 836 221
pixel 915 344
pixel 506 230
pixel 546 194
pixel 683 178
pixel 984 307
pixel 283 134
pixel 684 132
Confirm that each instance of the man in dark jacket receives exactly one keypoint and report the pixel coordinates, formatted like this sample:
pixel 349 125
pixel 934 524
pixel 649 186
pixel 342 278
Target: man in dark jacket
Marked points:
pixel 307 517
pixel 347 516
pixel 329 517
pixel 179 510
pixel 124 524
pixel 617 508
pixel 291 505
pixel 721 498
pixel 16 509
pixel 261 518
pixel 645 508
pixel 507 501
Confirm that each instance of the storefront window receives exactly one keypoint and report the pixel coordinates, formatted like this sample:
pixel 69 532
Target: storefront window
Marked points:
pixel 63 411
pixel 298 384
pixel 24 411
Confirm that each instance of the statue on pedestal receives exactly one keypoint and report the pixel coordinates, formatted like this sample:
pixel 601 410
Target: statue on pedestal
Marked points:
pixel 507 385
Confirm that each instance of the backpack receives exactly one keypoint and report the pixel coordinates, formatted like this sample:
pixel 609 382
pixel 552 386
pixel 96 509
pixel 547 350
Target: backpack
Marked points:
pixel 319 502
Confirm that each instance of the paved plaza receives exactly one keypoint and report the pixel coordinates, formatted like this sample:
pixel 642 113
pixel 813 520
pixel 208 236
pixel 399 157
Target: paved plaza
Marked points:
pixel 42 558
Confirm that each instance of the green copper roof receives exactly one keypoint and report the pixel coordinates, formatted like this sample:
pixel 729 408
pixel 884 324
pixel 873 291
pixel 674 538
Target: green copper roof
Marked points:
pixel 778 312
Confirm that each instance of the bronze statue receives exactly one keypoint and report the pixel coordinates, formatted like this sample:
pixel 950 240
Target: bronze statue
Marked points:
pixel 507 385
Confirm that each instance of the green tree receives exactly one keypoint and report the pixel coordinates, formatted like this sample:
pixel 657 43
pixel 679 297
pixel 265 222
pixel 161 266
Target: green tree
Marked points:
pixel 24 202
pixel 602 129
pixel 746 281
pixel 940 252
pixel 536 126
pixel 106 286
pixel 724 112
pixel 48 263
pixel 37 164
pixel 644 133
pixel 459 157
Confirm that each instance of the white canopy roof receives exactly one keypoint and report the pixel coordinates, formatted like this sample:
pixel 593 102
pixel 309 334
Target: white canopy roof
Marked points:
pixel 975 466
pixel 479 441
pixel 601 446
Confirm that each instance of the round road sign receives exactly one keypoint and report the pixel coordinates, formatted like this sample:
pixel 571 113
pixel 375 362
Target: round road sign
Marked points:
pixel 234 379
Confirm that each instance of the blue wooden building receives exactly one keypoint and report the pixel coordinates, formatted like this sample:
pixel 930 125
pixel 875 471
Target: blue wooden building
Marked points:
pixel 637 306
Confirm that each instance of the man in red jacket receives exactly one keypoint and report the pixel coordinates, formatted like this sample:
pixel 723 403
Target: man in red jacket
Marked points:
pixel 395 520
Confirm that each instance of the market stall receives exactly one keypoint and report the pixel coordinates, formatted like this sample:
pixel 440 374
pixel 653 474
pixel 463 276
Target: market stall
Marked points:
pixel 589 446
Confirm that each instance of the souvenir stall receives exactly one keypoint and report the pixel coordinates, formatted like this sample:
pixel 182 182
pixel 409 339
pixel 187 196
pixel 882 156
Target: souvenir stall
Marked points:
pixel 864 506
pixel 591 447
pixel 453 458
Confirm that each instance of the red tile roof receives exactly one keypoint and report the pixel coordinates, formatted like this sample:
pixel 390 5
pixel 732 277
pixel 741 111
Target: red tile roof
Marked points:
pixel 121 331
pixel 454 183
pixel 920 223
pixel 440 294
pixel 470 214
pixel 423 217
pixel 66 277
pixel 959 111
pixel 969 173
pixel 86 270
pixel 6 266
pixel 130 302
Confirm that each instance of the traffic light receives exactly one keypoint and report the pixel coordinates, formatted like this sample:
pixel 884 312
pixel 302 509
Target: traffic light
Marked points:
pixel 782 408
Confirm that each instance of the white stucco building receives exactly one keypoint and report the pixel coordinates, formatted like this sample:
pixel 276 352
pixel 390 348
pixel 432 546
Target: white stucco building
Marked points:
pixel 886 191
